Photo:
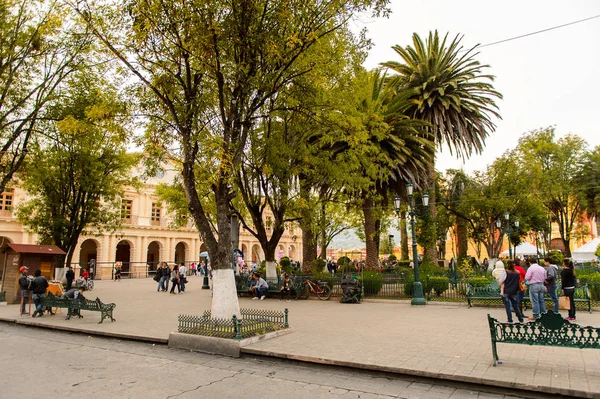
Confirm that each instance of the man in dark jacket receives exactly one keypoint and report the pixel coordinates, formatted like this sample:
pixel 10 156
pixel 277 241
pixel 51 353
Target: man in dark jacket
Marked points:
pixel 70 275
pixel 24 286
pixel 166 275
pixel 38 287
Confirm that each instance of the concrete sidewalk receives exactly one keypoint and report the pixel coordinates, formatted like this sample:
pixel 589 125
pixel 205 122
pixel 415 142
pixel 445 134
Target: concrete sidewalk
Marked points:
pixel 438 340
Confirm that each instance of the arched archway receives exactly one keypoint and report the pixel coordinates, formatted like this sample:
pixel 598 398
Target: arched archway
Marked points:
pixel 256 253
pixel 291 252
pixel 123 255
pixel 3 242
pixel 180 251
pixel 153 254
pixel 88 251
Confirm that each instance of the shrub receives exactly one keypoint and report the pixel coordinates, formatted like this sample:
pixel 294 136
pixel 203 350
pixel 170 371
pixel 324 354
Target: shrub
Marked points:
pixel 556 257
pixel 286 265
pixel 392 258
pixel 345 265
pixel 439 284
pixel 430 269
pixel 372 282
pixel 323 276
pixel 319 264
pixel 404 263
pixel 480 281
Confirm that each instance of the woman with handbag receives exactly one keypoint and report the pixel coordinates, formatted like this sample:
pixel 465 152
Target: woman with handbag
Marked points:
pixel 175 280
pixel 567 276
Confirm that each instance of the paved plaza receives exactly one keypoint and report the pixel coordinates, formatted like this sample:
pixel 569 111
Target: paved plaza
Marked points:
pixel 439 340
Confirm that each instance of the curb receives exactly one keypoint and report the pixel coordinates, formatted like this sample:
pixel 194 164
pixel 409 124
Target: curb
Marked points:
pixel 423 373
pixel 105 334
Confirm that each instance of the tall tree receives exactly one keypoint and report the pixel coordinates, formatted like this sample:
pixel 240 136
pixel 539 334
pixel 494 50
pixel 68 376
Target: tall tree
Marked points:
pixel 38 50
pixel 554 165
pixel 207 70
pixel 448 90
pixel 80 166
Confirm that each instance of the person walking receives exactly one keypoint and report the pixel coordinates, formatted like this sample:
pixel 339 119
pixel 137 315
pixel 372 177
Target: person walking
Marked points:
pixel 25 289
pixel 551 274
pixel 536 276
pixel 70 276
pixel 182 274
pixel 118 266
pixel 511 288
pixel 38 288
pixel 568 284
pixel 175 280
pixel 160 277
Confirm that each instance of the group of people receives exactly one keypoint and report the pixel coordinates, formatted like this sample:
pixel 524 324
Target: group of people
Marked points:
pixel 259 287
pixel 176 275
pixel 36 287
pixel 514 279
pixel 70 276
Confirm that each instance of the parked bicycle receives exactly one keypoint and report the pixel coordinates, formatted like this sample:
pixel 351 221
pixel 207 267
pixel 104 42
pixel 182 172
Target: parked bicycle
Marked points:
pixel 320 289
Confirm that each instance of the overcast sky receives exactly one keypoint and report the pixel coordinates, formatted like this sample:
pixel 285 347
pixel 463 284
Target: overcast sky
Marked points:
pixel 552 78
pixel 547 79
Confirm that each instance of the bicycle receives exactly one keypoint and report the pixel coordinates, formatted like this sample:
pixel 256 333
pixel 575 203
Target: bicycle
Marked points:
pixel 89 284
pixel 320 289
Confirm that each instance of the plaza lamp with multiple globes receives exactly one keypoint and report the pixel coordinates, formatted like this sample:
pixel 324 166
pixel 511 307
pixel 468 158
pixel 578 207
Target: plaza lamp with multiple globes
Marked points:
pixel 418 297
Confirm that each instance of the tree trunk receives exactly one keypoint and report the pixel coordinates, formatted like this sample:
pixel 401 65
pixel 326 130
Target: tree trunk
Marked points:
pixel 567 244
pixel 430 251
pixel 309 239
pixel 404 254
pixel 323 232
pixel 463 242
pixel 372 262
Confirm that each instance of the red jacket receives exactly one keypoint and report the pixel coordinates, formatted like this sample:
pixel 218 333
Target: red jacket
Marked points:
pixel 521 272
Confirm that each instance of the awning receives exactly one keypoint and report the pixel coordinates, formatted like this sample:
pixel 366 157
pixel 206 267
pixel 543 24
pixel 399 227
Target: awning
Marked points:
pixel 37 249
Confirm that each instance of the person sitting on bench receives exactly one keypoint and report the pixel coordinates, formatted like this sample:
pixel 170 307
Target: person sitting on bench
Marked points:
pixel 286 287
pixel 260 287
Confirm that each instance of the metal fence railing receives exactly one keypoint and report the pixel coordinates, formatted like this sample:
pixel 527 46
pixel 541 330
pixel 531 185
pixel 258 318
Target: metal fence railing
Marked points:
pixel 253 322
pixel 400 287
pixel 106 270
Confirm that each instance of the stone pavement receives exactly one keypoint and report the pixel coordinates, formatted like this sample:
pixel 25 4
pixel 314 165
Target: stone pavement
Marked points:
pixel 78 366
pixel 439 340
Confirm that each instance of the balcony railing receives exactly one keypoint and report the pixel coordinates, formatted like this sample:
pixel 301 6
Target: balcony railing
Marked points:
pixel 6 213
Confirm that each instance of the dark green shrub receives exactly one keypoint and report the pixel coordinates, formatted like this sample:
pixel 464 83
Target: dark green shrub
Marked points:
pixel 480 281
pixel 556 257
pixel 323 276
pixel 345 265
pixel 371 282
pixel 429 269
pixel 404 263
pixel 392 258
pixel 286 265
pixel 319 264
pixel 437 284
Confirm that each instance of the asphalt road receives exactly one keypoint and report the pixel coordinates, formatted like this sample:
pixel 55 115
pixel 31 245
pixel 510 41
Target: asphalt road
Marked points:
pixel 40 363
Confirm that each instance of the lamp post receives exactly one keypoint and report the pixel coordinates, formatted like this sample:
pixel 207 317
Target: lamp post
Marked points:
pixel 418 298
pixel 508 230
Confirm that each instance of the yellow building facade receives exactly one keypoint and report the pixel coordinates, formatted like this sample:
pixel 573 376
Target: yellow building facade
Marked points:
pixel 148 235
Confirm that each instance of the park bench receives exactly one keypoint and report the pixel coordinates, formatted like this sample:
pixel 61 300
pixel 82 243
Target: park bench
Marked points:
pixel 242 284
pixel 492 292
pixel 75 306
pixel 549 330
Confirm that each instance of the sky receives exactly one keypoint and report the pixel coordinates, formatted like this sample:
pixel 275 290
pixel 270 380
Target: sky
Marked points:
pixel 548 79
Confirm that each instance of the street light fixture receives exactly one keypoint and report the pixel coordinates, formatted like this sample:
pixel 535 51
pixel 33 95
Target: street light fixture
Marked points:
pixel 418 297
pixel 508 230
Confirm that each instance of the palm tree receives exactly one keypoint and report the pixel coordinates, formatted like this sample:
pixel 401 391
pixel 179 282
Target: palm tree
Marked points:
pixel 403 149
pixel 447 89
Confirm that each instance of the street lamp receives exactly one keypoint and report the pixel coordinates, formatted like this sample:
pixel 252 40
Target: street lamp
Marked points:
pixel 418 298
pixel 508 230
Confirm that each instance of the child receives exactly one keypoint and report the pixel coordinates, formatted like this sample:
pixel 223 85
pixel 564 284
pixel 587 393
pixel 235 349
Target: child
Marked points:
pixel 499 274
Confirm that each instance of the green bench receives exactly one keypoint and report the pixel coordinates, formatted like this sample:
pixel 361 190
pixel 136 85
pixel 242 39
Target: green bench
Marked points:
pixel 75 306
pixel 242 285
pixel 492 292
pixel 549 330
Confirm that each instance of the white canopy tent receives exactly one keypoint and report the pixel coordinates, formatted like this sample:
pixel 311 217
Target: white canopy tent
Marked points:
pixel 523 249
pixel 585 253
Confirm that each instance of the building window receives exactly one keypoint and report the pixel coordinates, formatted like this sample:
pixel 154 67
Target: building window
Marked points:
pixel 6 201
pixel 155 217
pixel 126 210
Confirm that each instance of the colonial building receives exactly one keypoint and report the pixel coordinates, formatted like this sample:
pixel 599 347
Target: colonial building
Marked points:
pixel 148 236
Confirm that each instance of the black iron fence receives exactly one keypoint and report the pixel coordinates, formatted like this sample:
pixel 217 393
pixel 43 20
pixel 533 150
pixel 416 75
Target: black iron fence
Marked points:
pixel 106 270
pixel 400 287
